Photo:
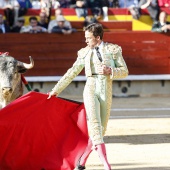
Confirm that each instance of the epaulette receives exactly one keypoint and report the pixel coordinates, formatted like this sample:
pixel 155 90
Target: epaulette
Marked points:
pixel 114 48
pixel 83 52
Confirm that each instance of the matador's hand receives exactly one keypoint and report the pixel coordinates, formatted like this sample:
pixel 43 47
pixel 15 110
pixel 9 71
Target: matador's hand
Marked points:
pixel 50 94
pixel 104 70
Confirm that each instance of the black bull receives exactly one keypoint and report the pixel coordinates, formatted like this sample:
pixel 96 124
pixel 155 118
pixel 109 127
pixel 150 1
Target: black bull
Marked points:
pixel 10 78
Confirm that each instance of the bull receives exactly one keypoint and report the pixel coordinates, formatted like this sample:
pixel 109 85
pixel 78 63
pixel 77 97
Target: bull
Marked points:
pixel 11 86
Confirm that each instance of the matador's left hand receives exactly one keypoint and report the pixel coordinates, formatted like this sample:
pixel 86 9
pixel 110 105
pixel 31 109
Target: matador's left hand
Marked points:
pixel 50 94
pixel 104 70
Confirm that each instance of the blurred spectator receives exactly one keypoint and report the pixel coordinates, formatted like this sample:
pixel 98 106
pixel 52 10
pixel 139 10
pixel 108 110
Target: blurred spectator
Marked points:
pixel 47 5
pixel 10 7
pixel 25 3
pixel 132 5
pixel 105 6
pixel 113 4
pixel 33 27
pixel 17 27
pixel 128 4
pixel 53 23
pixel 96 8
pixel 99 8
pixel 135 12
pixel 43 21
pixel 80 7
pixel 24 6
pixel 36 4
pixel 152 7
pixel 64 3
pixel 164 3
pixel 60 27
pixel 4 28
pixel 162 25
pixel 89 20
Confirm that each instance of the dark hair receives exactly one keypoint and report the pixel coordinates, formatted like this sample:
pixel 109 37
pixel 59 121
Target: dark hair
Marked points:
pixel 96 29
pixel 33 18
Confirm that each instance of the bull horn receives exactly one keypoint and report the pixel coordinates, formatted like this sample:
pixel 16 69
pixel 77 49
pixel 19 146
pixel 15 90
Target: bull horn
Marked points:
pixel 28 66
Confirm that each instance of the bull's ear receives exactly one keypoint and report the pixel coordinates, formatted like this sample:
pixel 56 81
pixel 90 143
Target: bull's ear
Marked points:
pixel 21 69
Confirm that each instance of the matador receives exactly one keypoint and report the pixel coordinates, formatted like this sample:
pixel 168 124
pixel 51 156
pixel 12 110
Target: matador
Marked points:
pixel 103 63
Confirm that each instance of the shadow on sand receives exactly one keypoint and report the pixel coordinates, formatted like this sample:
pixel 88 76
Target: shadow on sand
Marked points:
pixel 139 139
pixel 130 168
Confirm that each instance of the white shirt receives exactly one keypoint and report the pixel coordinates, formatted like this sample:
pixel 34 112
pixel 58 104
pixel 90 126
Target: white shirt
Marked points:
pixel 36 4
pixel 100 49
pixel 13 3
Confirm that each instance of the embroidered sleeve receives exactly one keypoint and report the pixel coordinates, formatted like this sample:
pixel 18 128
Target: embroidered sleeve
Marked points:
pixel 69 75
pixel 120 70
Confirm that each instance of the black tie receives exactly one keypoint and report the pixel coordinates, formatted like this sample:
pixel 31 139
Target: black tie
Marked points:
pixel 98 54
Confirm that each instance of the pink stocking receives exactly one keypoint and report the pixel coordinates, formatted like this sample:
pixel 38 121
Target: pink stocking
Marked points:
pixel 86 153
pixel 101 150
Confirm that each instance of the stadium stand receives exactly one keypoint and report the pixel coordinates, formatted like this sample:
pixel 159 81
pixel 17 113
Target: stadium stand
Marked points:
pixel 120 17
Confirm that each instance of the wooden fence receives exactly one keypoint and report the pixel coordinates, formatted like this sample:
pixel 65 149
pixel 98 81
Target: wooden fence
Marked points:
pixel 144 52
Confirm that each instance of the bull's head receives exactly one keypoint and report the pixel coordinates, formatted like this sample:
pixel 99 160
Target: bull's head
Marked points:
pixel 10 78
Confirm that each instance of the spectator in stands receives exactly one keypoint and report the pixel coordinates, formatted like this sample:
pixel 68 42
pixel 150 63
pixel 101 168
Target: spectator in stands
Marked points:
pixel 152 7
pixel 47 5
pixel 18 25
pixel 33 27
pixel 133 7
pixel 162 25
pixel 36 4
pixel 53 23
pixel 10 7
pixel 105 6
pixel 164 3
pixel 43 21
pixel 60 27
pixel 24 6
pixel 113 4
pixel 4 28
pixel 89 20
pixel 96 8
pixel 80 7
pixel 54 4
pixel 64 3
pixel 127 4
pixel 25 3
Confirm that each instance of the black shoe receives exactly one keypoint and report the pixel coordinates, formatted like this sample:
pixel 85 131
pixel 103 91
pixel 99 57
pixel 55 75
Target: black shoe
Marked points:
pixel 80 167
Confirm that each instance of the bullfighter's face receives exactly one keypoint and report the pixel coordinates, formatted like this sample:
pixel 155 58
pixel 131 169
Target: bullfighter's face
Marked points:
pixel 91 40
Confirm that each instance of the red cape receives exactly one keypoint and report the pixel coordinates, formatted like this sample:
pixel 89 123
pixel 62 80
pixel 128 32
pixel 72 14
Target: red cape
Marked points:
pixel 41 134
